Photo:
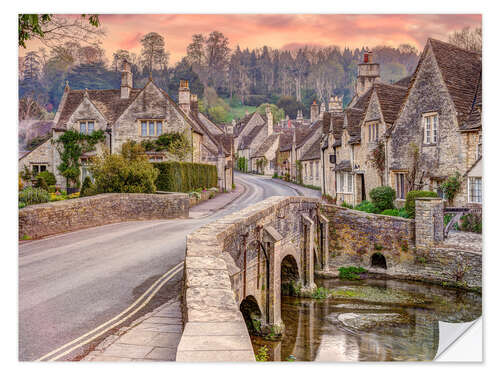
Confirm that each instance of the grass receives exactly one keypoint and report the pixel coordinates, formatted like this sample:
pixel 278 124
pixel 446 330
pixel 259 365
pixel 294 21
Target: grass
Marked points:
pixel 351 273
pixel 239 111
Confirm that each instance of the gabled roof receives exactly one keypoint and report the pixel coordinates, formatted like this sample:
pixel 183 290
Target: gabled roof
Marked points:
pixel 337 122
pixel 313 152
pixel 108 102
pixel 461 72
pixel 242 123
pixel 248 139
pixel 473 121
pixel 354 116
pixel 265 146
pixel 309 133
pixel 211 126
pixel 405 82
pixel 391 98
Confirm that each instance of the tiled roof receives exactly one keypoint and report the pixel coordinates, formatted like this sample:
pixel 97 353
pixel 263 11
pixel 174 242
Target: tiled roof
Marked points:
pixel 265 146
pixel 354 116
pixel 473 120
pixel 240 125
pixel 286 138
pixel 247 139
pixel 337 122
pixel 391 98
pixel 314 151
pixel 405 82
pixel 108 102
pixel 461 71
pixel 309 132
pixel 212 127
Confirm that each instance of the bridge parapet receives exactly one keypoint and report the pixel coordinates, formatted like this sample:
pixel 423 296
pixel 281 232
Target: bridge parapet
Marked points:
pixel 240 257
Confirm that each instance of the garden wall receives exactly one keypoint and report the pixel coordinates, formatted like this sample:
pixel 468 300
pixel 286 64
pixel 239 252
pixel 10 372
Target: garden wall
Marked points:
pixel 46 219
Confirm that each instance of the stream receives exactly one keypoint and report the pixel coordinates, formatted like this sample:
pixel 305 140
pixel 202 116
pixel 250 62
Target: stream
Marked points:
pixel 369 320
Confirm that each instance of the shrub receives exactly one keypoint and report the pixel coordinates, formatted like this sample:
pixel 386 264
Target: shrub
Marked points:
pixel 21 185
pixel 128 172
pixel 346 205
pixel 390 212
pixel 41 183
pixel 410 200
pixel 275 175
pixel 185 177
pixel 451 186
pixel 403 213
pixel 22 204
pixel 320 293
pixel 383 197
pixel 366 206
pixel 262 354
pixel 49 177
pixel 351 273
pixel 88 188
pixel 471 223
pixel 33 196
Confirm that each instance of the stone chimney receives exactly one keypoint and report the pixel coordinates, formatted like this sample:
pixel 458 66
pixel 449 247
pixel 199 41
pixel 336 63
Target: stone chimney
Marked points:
pixel 322 110
pixel 184 96
pixel 230 127
pixel 194 105
pixel 335 104
pixel 368 74
pixel 314 111
pixel 126 85
pixel 299 115
pixel 269 116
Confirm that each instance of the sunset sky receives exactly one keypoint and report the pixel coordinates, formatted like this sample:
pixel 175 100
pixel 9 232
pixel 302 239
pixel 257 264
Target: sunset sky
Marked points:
pixel 280 30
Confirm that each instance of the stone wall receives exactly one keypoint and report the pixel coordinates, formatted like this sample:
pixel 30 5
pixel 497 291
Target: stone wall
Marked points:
pixel 413 249
pixel 46 219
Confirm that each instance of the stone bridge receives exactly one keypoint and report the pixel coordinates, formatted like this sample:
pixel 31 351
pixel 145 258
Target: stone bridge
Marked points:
pixel 236 265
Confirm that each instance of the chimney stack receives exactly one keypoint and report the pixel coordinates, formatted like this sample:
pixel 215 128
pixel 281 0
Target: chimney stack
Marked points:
pixel 299 115
pixel 335 104
pixel 368 74
pixel 314 111
pixel 322 110
pixel 269 116
pixel 194 105
pixel 126 85
pixel 230 127
pixel 184 96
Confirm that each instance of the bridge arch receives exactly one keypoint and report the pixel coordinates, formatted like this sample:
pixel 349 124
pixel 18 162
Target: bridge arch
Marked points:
pixel 252 313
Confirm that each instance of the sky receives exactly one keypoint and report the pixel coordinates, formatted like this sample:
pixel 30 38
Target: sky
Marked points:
pixel 281 30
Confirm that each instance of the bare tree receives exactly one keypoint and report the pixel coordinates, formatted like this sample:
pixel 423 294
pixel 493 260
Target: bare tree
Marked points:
pixel 467 38
pixel 54 30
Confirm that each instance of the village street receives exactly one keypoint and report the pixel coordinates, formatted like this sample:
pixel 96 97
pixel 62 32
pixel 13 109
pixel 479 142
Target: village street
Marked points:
pixel 70 284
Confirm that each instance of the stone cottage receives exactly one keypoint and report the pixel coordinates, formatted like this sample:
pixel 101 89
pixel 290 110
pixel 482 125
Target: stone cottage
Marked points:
pixel 128 114
pixel 438 130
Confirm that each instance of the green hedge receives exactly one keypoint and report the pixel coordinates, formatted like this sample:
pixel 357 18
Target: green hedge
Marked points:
pixel 410 200
pixel 185 177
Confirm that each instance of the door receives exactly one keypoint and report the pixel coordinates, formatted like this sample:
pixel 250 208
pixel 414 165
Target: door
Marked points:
pixel 363 192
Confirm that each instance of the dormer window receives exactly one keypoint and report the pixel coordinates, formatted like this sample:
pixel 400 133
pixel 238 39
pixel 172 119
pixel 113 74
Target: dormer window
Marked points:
pixel 86 127
pixel 151 128
pixel 431 125
pixel 373 132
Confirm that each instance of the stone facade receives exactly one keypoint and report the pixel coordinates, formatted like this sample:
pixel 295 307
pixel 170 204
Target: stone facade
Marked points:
pixel 69 215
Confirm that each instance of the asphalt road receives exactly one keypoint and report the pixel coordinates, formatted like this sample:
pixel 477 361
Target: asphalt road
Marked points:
pixel 71 283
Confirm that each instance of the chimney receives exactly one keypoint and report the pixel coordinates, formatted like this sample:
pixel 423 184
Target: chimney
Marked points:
pixel 127 84
pixel 269 116
pixel 230 127
pixel 335 104
pixel 194 105
pixel 368 74
pixel 322 110
pixel 184 96
pixel 299 115
pixel 314 111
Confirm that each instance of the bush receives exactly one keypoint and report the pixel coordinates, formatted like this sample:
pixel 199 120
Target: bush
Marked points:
pixel 185 177
pixel 275 175
pixel 49 177
pixel 346 205
pixel 22 204
pixel 366 206
pixel 351 273
pixel 410 200
pixel 33 196
pixel 88 188
pixel 128 172
pixel 41 183
pixel 471 223
pixel 390 212
pixel 383 198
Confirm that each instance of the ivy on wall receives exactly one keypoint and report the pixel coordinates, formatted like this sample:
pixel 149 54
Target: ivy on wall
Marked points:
pixel 71 146
pixel 175 143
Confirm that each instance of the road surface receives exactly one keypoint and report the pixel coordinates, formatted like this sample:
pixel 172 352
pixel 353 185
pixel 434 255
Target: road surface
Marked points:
pixel 71 283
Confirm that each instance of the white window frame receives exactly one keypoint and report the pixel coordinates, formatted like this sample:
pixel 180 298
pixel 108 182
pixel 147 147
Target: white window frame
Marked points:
pixel 345 183
pixel 86 126
pixel 479 196
pixel 151 128
pixel 430 123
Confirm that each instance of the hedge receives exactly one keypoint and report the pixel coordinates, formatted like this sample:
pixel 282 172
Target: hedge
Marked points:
pixel 410 200
pixel 185 177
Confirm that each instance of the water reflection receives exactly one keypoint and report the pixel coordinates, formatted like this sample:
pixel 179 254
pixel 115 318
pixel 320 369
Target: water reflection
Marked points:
pixel 370 320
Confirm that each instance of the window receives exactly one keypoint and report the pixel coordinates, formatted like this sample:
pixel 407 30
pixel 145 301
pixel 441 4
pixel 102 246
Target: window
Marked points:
pixel 479 149
pixel 317 169
pixel 430 129
pixel 373 132
pixel 345 182
pixel 400 185
pixel 86 127
pixel 475 190
pixel 37 168
pixel 151 128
